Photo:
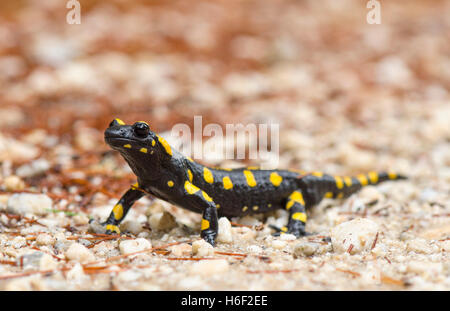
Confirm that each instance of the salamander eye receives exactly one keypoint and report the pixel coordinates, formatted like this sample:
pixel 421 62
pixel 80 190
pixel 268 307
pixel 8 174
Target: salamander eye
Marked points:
pixel 141 129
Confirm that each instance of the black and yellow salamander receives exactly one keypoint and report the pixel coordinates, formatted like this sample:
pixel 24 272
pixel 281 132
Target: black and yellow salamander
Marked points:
pixel 168 175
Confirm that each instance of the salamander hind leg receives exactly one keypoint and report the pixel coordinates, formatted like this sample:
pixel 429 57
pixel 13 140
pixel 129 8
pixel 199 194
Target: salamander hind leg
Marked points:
pixel 295 204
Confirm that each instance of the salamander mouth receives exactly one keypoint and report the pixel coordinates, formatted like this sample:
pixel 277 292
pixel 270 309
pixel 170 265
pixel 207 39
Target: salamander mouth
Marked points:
pixel 121 142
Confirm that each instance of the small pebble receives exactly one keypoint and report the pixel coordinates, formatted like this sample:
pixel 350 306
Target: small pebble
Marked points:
pixel 162 221
pixel 202 248
pixel 305 249
pixel 14 183
pixel 24 203
pixel 354 236
pixel 79 253
pixel 133 246
pixel 210 267
pixel 224 234
pixel 420 246
pixel 47 262
pixel 181 250
pixel 75 273
pixel 278 244
pixel 288 237
pixel 45 239
pixel 131 226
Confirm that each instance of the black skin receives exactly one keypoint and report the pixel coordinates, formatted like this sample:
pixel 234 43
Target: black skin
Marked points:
pixel 168 175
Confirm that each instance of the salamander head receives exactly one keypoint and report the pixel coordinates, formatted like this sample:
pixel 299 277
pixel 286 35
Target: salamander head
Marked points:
pixel 142 149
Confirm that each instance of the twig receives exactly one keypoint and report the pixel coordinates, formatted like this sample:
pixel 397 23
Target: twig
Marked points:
pixel 374 242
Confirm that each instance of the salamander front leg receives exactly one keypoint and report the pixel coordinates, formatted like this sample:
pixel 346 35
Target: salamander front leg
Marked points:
pixel 121 209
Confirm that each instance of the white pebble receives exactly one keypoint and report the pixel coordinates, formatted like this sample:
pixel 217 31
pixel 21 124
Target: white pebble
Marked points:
pixel 254 249
pixel 305 249
pixel 354 236
pixel 224 235
pixel 13 183
pixel 244 233
pixel 47 262
pixel 420 246
pixel 278 244
pixel 162 221
pixel 24 203
pixel 34 168
pixel 181 249
pixel 19 242
pixel 131 226
pixel 288 237
pixel 45 239
pixel 75 273
pixel 133 246
pixel 80 220
pixel 79 253
pixel 210 267
pixel 202 248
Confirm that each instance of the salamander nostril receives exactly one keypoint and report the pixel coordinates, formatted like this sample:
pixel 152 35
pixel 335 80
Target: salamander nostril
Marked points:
pixel 141 129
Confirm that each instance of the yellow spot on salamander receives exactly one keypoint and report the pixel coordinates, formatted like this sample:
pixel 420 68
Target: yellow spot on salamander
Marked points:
pixel 317 174
pixel 392 175
pixel 118 211
pixel 208 176
pixel 120 122
pixel 329 195
pixel 250 178
pixel 190 175
pixel 252 167
pixel 284 229
pixel 255 208
pixel 297 197
pixel 348 181
pixel 135 186
pixel 217 205
pixel 190 159
pixel 289 204
pixel 206 196
pixel 362 179
pixel 269 205
pixel 299 216
pixel 275 179
pixel 170 183
pixel 227 184
pixel 340 195
pixel 127 146
pixel 373 177
pixel 245 208
pixel 165 144
pixel 190 188
pixel 205 224
pixel 113 228
pixel 153 142
pixel 144 150
pixel 339 182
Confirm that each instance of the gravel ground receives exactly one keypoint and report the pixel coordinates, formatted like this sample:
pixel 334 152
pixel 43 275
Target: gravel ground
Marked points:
pixel 349 97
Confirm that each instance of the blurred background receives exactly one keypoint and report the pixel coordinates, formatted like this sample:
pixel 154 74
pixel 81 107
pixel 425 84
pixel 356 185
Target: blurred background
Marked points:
pixel 331 80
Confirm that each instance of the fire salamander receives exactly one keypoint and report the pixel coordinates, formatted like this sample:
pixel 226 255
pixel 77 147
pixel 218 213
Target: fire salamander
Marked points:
pixel 215 192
